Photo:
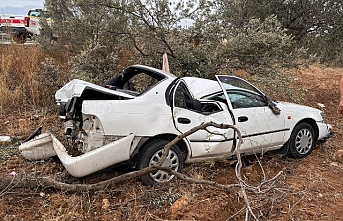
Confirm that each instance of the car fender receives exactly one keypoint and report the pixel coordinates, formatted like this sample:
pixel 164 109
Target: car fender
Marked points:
pixel 295 114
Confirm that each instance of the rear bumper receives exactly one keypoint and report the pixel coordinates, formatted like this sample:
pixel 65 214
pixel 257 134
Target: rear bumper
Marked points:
pixel 46 145
pixel 14 30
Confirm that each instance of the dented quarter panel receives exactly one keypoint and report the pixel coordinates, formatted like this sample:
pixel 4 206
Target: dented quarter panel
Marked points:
pixel 146 115
pixel 93 135
pixel 123 117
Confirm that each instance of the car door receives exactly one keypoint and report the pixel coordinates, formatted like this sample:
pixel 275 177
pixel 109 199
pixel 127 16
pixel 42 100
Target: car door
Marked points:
pixel 188 113
pixel 261 128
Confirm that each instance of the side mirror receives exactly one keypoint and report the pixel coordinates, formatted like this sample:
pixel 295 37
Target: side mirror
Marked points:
pixel 273 106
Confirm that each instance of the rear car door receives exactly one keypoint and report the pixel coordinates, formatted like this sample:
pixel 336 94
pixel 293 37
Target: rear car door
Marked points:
pixel 261 128
pixel 188 113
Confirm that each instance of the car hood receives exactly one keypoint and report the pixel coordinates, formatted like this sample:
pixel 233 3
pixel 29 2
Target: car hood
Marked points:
pixel 292 108
pixel 76 87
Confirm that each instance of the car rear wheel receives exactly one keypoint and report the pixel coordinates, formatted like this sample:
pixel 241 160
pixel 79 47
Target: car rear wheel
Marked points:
pixel 302 140
pixel 151 154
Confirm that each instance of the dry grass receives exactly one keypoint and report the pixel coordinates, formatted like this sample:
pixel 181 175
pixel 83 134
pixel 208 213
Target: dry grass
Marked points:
pixel 20 81
pixel 26 89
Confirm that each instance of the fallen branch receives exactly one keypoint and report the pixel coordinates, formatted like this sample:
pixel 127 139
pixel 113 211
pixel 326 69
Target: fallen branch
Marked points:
pixel 48 182
pixel 9 182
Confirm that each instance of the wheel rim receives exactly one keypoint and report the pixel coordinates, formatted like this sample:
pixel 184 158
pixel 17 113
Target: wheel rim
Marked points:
pixel 304 141
pixel 172 161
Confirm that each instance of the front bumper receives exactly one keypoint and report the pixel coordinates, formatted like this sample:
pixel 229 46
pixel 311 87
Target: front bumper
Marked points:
pixel 324 131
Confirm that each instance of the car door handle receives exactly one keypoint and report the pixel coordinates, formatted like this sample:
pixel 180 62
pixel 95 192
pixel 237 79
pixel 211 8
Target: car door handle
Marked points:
pixel 242 119
pixel 182 120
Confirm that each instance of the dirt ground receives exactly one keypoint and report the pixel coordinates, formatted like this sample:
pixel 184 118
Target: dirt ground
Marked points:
pixel 306 189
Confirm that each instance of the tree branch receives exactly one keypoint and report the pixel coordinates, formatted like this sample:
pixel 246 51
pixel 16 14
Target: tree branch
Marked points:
pixel 9 182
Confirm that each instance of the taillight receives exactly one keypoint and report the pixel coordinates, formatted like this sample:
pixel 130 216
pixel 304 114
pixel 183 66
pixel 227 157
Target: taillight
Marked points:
pixel 26 21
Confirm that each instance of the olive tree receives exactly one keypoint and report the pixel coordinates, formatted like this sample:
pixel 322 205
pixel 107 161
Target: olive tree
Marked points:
pixel 102 37
pixel 260 47
pixel 315 24
pixel 87 33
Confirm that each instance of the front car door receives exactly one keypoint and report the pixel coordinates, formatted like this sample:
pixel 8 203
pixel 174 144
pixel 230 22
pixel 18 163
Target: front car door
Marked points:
pixel 188 113
pixel 261 128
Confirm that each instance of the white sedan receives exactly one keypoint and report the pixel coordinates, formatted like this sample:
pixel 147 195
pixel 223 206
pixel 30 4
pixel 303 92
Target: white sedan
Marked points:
pixel 130 118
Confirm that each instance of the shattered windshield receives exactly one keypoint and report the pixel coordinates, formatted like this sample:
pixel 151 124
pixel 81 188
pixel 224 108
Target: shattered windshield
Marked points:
pixel 240 93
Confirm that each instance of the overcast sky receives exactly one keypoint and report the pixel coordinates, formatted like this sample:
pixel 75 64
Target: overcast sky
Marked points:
pixel 19 6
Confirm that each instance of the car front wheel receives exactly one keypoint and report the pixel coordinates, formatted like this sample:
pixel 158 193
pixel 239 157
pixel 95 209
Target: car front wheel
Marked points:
pixel 151 154
pixel 302 140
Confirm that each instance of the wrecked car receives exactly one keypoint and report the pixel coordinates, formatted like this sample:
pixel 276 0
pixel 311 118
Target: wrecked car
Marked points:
pixel 130 118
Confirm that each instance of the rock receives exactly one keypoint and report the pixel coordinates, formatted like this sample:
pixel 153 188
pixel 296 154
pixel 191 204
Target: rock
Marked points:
pixel 179 205
pixel 5 141
pixel 311 213
pixel 321 105
pixel 339 156
pixel 335 164
pixel 105 204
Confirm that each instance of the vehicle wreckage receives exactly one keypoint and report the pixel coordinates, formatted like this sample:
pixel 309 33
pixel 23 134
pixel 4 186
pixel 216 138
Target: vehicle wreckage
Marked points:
pixel 130 118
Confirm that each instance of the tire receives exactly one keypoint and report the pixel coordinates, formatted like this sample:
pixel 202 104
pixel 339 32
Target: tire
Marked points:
pixel 302 141
pixel 150 156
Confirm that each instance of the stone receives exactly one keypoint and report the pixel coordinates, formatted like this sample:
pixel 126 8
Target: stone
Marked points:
pixel 335 164
pixel 5 141
pixel 179 205
pixel 339 156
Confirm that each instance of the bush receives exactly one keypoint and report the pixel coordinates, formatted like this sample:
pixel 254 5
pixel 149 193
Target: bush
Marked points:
pixel 260 47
